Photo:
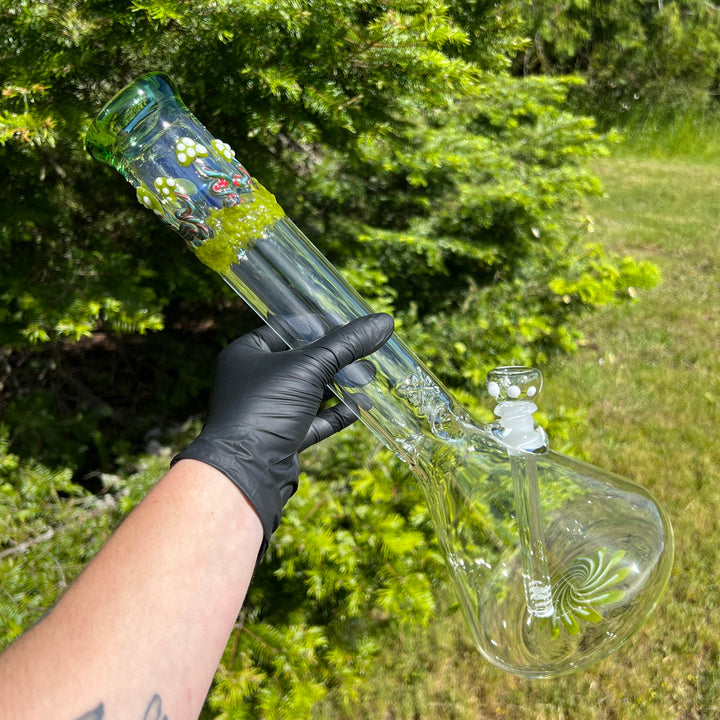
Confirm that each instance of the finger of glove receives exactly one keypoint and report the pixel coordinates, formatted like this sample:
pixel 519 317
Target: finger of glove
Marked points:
pixel 266 339
pixel 263 338
pixel 328 422
pixel 348 343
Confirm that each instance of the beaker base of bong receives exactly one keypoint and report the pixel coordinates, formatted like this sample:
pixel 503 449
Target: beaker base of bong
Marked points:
pixel 609 554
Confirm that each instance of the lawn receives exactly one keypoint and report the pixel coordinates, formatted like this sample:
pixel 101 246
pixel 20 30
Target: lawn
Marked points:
pixel 646 384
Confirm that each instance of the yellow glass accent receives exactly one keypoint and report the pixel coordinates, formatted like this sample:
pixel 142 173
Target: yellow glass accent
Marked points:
pixel 235 228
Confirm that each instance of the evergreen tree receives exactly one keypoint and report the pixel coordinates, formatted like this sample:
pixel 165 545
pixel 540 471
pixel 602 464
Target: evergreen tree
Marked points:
pixel 638 57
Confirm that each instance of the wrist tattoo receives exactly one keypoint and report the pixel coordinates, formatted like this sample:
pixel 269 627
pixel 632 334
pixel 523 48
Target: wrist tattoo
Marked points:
pixel 97 714
pixel 154 711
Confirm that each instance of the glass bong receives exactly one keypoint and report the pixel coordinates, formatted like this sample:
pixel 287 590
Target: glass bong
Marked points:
pixel 555 562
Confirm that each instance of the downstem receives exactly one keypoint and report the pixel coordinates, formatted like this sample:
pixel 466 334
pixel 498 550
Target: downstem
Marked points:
pixel 536 577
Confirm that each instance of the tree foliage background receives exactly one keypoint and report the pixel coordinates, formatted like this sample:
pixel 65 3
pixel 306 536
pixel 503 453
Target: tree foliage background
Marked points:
pixel 401 137
pixel 640 58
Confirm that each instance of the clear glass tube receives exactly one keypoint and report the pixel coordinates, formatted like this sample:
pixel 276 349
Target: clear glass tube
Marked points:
pixel 555 562
pixel 515 388
pixel 531 535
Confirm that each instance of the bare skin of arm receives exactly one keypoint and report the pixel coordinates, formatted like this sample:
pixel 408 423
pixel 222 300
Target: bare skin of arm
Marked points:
pixel 145 625
pixel 140 633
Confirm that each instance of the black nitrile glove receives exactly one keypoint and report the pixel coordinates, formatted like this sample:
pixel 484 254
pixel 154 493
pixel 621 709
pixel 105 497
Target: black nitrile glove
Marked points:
pixel 264 409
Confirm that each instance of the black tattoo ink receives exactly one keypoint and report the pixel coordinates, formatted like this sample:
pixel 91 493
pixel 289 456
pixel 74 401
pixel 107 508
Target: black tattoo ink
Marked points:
pixel 97 714
pixel 154 711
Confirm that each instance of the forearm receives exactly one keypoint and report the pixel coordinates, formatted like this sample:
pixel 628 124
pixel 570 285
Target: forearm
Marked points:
pixel 150 615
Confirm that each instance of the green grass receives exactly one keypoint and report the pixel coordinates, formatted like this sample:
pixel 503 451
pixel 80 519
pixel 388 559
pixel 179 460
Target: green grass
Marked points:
pixel 649 377
pixel 690 135
pixel 648 380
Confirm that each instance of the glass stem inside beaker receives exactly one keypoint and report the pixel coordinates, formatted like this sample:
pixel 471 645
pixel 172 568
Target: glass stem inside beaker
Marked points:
pixel 536 577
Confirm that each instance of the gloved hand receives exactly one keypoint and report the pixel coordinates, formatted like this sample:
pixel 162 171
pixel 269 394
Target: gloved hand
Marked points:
pixel 264 409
